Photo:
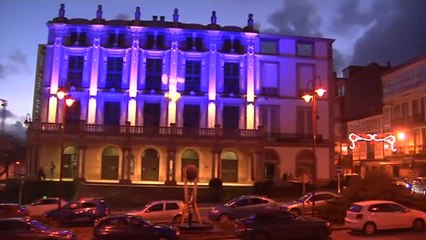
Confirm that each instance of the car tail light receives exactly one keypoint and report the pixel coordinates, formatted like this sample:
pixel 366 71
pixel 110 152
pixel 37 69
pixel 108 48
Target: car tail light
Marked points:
pixel 359 216
pixel 239 227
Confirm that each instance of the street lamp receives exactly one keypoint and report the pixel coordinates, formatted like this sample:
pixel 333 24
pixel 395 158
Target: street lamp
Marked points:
pixel 67 100
pixel 311 95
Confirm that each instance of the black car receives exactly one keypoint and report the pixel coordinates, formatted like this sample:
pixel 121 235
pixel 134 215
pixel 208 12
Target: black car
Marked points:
pixel 132 227
pixel 86 210
pixel 27 228
pixel 280 225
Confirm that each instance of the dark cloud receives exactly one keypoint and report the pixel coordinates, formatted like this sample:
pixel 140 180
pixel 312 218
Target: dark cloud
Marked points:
pixel 122 16
pixel 296 18
pixel 398 34
pixel 14 62
pixel 350 15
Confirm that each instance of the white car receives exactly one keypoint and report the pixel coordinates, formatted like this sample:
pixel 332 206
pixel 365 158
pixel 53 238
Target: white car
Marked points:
pixel 161 211
pixel 42 205
pixel 371 216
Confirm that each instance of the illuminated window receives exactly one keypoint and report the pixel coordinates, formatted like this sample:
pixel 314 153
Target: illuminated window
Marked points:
pixel 114 73
pixel 232 78
pixel 268 47
pixel 75 71
pixel 153 74
pixel 192 76
pixel 304 49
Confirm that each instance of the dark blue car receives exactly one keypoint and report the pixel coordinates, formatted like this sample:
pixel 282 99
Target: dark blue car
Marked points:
pixel 132 227
pixel 84 211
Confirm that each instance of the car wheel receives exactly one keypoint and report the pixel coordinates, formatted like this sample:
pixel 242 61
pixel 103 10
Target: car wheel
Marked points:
pixel 177 219
pixel 418 224
pixel 224 217
pixel 260 236
pixel 295 211
pixel 369 228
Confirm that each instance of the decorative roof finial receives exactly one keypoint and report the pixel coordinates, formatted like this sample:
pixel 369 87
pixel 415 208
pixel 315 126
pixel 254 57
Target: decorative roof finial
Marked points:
pixel 213 18
pixel 62 11
pixel 99 12
pixel 176 15
pixel 250 20
pixel 138 14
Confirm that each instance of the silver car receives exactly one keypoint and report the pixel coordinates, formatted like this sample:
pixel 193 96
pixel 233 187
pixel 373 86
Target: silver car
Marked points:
pixel 303 205
pixel 161 211
pixel 240 207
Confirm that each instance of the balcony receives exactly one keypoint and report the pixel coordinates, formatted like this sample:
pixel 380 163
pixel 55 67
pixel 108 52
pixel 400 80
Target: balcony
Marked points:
pixel 415 120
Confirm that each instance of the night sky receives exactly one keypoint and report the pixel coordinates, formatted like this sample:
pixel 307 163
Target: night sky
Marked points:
pixel 365 31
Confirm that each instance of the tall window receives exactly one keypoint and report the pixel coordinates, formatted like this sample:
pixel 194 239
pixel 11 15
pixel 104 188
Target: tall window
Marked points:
pixel 231 117
pixel 191 116
pixel 404 110
pixel 304 49
pixel 153 74
pixel 232 78
pixel 75 71
pixel 114 72
pixel 151 114
pixel 269 119
pixel 112 113
pixel 304 120
pixel 305 73
pixel 192 76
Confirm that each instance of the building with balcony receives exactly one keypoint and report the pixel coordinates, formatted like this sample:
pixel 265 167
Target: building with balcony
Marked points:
pixel 153 96
pixel 404 99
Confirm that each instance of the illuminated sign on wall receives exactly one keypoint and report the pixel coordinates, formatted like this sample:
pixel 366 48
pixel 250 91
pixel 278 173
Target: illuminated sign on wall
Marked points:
pixel 390 139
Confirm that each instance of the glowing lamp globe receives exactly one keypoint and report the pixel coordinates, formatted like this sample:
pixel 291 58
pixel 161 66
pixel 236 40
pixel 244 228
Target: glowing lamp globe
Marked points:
pixel 191 172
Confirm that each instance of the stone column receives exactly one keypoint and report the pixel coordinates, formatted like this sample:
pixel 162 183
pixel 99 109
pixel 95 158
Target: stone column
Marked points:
pixel 171 167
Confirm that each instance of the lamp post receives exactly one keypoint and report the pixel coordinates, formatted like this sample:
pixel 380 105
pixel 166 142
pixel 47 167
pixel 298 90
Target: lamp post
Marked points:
pixel 67 100
pixel 311 95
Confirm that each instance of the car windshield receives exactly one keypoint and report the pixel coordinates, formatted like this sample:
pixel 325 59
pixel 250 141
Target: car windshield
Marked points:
pixel 232 201
pixel 304 197
pixel 38 225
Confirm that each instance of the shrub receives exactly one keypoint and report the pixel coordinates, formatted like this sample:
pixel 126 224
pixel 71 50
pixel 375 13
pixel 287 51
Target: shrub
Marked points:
pixel 215 183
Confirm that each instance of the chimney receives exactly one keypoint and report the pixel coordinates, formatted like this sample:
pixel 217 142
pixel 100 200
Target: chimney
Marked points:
pixel 154 18
pixel 162 18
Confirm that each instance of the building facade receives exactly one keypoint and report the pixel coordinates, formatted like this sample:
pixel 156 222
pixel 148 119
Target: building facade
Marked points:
pixel 152 97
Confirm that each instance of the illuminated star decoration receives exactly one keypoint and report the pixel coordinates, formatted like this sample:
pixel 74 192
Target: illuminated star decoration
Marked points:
pixel 390 139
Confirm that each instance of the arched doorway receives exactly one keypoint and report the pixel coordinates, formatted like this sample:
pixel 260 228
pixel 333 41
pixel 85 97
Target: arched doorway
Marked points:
pixel 229 166
pixel 110 159
pixel 271 164
pixel 189 157
pixel 305 164
pixel 70 162
pixel 150 165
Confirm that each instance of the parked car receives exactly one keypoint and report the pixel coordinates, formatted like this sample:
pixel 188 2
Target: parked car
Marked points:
pixel 303 205
pixel 161 211
pixel 86 210
pixel 132 227
pixel 281 225
pixel 42 205
pixel 27 228
pixel 8 210
pixel 242 206
pixel 419 185
pixel 373 215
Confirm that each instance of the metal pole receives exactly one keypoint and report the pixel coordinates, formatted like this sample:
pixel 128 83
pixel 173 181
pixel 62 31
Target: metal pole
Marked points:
pixel 314 162
pixel 61 153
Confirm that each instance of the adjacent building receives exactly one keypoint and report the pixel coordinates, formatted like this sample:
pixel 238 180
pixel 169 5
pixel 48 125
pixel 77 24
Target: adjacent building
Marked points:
pixel 153 96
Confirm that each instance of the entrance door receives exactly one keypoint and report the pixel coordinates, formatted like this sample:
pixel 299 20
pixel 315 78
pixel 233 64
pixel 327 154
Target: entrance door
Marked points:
pixel 269 171
pixel 69 166
pixel 109 167
pixel 150 165
pixel 230 170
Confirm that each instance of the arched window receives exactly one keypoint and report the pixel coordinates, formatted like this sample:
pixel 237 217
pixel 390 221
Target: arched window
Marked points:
pixel 110 159
pixel 150 165
pixel 70 162
pixel 229 166
pixel 189 157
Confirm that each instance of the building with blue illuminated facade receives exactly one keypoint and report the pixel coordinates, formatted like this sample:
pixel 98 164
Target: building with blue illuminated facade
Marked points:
pixel 153 96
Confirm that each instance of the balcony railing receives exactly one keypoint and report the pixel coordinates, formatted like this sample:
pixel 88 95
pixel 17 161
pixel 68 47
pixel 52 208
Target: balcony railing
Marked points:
pixel 411 120
pixel 82 128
